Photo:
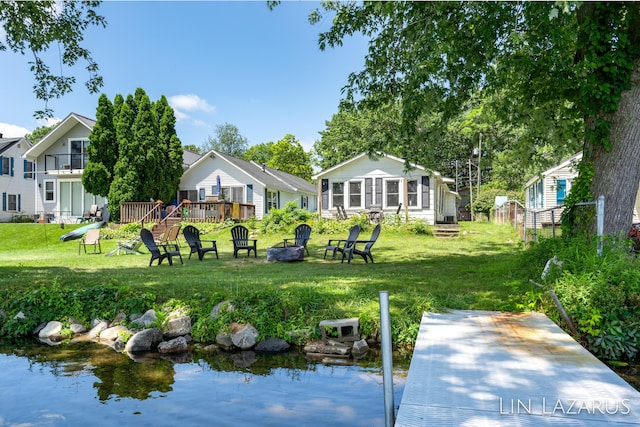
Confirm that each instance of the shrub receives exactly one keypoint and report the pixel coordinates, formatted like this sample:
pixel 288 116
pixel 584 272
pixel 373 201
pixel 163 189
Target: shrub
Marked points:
pixel 601 294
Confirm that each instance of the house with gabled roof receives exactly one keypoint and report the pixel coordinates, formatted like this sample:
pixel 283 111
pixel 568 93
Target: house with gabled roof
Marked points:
pixel 60 158
pixel 17 179
pixel 383 184
pixel 215 176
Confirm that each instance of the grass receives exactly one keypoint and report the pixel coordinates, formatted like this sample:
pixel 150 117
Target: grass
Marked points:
pixel 420 272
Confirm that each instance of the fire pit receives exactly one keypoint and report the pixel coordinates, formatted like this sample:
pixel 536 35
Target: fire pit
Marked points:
pixel 285 253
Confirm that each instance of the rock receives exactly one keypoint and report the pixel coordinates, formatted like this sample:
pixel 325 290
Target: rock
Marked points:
pixel 118 344
pixel 178 327
pixel 52 328
pixel 176 345
pixel 244 336
pixel 112 333
pixel 223 339
pixel 211 348
pixel 145 340
pixel 38 328
pixel 327 347
pixel 359 349
pixel 20 315
pixel 119 319
pixel 147 319
pixel 215 311
pixel 98 328
pixel 272 345
pixel 78 328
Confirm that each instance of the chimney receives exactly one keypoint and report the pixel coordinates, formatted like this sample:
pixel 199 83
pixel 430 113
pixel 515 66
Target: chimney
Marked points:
pixel 0 135
pixel 263 166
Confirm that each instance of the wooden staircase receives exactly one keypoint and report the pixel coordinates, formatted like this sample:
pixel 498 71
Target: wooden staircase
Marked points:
pixel 446 231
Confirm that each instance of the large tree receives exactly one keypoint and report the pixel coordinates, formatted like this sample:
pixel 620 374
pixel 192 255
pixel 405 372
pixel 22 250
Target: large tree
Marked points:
pixel 227 139
pixel 39 27
pixel 134 152
pixel 287 155
pixel 549 63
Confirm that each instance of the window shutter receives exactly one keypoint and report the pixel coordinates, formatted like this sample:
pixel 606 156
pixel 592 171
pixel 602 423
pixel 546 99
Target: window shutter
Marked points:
pixel 368 189
pixel 24 169
pixel 4 201
pixel 1 163
pixel 266 200
pixel 19 203
pixel 426 200
pixel 379 192
pixel 11 167
pixel 278 199
pixel 325 194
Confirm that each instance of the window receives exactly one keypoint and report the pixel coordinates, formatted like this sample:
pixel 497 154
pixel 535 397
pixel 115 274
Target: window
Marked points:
pixel 201 195
pixel 49 191
pixel 12 202
pixel 29 170
pixel 232 194
pixel 272 200
pixel 393 193
pixel 78 152
pixel 355 194
pixel 6 166
pixel 304 202
pixel 412 192
pixel 338 194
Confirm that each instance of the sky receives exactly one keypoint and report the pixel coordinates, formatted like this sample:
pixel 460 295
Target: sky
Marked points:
pixel 217 62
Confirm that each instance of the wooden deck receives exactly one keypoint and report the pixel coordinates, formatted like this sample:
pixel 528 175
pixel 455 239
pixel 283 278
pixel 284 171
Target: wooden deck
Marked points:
pixel 480 368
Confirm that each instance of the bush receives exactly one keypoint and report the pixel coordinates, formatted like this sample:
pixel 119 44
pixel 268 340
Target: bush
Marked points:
pixel 601 294
pixel 279 220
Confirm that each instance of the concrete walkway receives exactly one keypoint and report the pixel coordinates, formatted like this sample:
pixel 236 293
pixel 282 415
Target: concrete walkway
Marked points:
pixel 481 368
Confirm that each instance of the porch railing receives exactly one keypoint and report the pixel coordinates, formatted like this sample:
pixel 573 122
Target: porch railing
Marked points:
pixel 186 211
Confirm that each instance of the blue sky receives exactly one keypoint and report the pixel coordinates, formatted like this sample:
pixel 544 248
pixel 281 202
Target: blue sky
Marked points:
pixel 217 62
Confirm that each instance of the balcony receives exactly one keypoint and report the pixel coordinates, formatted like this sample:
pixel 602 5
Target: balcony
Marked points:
pixel 65 163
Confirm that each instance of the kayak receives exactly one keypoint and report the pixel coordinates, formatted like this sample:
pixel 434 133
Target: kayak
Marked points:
pixel 79 232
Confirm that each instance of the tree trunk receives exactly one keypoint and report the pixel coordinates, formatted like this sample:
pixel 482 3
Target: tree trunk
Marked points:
pixel 617 171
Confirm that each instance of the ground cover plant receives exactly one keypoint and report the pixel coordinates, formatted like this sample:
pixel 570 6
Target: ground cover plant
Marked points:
pixel 47 279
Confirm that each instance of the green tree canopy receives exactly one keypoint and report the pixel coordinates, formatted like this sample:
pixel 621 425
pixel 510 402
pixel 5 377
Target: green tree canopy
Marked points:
pixel 574 67
pixel 39 27
pixel 289 156
pixel 227 139
pixel 134 152
pixel 39 133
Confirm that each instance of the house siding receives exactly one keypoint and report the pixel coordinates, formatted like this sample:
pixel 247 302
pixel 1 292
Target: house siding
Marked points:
pixel 431 199
pixel 14 182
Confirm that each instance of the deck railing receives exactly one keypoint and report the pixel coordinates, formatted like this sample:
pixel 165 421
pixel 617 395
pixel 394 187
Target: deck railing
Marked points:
pixel 186 211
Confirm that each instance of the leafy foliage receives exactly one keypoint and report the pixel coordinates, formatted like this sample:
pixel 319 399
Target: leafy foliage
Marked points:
pixel 227 139
pixel 601 294
pixel 36 26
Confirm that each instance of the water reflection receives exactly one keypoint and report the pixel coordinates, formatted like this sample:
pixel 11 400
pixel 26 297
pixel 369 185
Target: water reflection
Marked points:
pixel 89 383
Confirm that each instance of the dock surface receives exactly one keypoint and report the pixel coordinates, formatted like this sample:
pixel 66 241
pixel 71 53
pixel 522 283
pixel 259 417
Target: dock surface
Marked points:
pixel 484 368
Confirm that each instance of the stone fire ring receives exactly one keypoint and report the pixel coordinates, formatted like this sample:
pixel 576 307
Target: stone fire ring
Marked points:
pixel 288 253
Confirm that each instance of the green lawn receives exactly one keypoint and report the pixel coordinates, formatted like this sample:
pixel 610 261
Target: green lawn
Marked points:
pixel 476 271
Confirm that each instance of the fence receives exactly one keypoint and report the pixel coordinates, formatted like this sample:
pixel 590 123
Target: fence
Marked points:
pixel 531 222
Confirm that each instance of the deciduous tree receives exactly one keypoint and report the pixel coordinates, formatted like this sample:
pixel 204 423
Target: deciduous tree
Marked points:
pixel 548 63
pixel 37 27
pixel 227 139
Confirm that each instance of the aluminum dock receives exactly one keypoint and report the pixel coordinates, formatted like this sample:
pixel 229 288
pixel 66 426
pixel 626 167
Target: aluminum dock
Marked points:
pixel 484 368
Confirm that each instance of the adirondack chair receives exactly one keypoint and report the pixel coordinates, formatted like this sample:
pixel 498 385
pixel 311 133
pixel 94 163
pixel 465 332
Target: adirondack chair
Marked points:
pixel 170 235
pixel 128 247
pixel 339 245
pixel 365 251
pixel 302 235
pixel 159 251
pixel 90 238
pixel 192 236
pixel 241 241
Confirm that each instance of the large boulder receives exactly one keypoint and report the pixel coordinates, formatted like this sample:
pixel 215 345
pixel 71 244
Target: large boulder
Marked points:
pixel 178 327
pixel 215 311
pixel 51 329
pixel 244 336
pixel 145 340
pixel 223 340
pixel 112 333
pixel 98 328
pixel 147 319
pixel 176 345
pixel 272 345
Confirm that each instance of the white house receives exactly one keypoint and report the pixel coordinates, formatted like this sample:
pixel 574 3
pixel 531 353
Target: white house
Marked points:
pixel 551 187
pixel 244 182
pixel 17 179
pixel 60 158
pixel 363 184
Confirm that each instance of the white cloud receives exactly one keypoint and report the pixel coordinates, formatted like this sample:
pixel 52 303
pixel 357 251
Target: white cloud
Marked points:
pixel 10 131
pixel 190 103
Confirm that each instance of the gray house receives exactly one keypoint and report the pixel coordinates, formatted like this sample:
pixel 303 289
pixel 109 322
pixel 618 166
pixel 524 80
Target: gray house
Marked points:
pixel 17 179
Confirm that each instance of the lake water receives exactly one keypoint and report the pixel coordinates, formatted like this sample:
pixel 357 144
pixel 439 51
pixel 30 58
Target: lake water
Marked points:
pixel 90 384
